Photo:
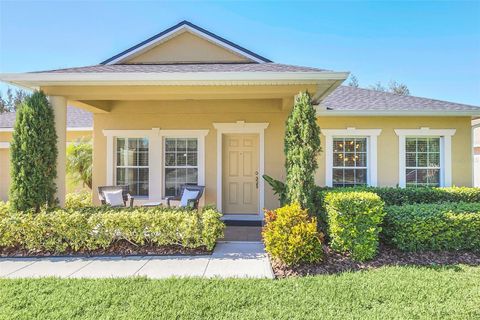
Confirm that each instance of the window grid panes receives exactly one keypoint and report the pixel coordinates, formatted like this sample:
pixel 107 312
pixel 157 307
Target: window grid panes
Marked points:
pixel 132 165
pixel 349 162
pixel 181 164
pixel 422 162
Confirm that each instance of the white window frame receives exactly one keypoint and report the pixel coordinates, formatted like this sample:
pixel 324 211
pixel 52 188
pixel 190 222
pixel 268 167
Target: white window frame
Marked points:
pixel 200 158
pixel 155 138
pixel 370 134
pixel 445 136
pixel 354 167
pixel 116 166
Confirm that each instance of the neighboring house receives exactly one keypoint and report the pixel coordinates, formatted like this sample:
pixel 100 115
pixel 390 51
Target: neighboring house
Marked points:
pixel 79 124
pixel 187 106
pixel 476 152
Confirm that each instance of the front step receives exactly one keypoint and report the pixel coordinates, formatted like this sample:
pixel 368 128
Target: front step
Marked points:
pixel 243 223
pixel 242 233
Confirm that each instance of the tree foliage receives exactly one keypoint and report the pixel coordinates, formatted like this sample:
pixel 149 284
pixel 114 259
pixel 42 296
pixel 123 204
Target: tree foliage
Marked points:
pixel 399 88
pixel 12 99
pixel 302 146
pixel 79 161
pixel 353 82
pixel 34 155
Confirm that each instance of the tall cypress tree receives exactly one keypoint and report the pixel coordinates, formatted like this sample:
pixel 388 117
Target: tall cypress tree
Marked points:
pixel 33 155
pixel 302 147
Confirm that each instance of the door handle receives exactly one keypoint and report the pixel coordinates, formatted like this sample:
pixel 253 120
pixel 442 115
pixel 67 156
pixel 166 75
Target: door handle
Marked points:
pixel 256 179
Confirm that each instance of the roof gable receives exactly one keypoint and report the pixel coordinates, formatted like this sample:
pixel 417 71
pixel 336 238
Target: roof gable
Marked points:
pixel 185 43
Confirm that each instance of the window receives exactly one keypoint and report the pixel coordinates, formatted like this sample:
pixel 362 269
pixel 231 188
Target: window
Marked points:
pixel 349 162
pixel 181 164
pixel 422 161
pixel 132 164
pixel 425 157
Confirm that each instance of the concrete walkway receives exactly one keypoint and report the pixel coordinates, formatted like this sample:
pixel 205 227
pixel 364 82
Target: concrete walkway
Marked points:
pixel 229 259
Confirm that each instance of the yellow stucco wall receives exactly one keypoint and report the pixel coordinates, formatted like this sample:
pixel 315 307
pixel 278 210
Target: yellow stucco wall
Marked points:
pixel 185 48
pixel 5 159
pixel 387 148
pixel 201 114
pixel 195 115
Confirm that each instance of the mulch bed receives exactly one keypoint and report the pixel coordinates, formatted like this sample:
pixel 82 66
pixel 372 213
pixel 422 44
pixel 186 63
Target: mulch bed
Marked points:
pixel 119 248
pixel 336 263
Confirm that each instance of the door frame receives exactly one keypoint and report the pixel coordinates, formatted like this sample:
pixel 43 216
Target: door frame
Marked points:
pixel 241 127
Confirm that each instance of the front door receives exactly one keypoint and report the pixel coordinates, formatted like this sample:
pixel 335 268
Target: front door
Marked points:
pixel 240 173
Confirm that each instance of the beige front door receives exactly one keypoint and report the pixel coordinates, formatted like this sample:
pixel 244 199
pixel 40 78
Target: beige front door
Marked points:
pixel 240 173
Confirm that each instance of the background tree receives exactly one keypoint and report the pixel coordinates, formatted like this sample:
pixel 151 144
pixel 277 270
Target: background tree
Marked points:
pixel 378 87
pixel 79 161
pixel 33 155
pixel 11 99
pixel 353 81
pixel 302 147
pixel 399 88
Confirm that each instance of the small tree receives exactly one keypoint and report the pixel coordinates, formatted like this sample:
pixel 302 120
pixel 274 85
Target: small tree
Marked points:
pixel 33 155
pixel 353 82
pixel 79 161
pixel 302 146
pixel 399 88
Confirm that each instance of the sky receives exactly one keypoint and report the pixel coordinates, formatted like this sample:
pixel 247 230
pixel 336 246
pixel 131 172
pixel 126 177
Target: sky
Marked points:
pixel 433 47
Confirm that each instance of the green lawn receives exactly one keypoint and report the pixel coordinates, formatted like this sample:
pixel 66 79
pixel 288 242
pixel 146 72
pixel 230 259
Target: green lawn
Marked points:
pixel 386 293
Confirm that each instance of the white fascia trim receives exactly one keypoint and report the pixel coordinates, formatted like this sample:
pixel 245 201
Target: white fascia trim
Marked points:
pixel 155 140
pixel 173 78
pixel 4 145
pixel 177 31
pixel 370 134
pixel 448 113
pixel 241 127
pixel 445 149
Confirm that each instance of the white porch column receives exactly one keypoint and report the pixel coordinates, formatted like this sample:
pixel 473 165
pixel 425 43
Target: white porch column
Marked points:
pixel 59 105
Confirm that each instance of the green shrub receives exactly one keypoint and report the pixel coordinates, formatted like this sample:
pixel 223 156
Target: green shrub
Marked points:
pixel 302 147
pixel 33 155
pixel 291 236
pixel 79 161
pixel 446 226
pixel 80 199
pixel 354 222
pixel 99 227
pixel 400 196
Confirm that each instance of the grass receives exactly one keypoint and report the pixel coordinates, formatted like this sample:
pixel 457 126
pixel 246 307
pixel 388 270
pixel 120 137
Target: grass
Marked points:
pixel 385 293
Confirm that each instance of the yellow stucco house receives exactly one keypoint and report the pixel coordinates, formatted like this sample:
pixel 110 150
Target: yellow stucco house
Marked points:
pixel 187 106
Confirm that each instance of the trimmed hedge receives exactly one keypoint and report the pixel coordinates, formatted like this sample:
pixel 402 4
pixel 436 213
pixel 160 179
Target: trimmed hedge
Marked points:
pixel 291 236
pixel 401 196
pixel 354 222
pixel 87 229
pixel 82 199
pixel 446 226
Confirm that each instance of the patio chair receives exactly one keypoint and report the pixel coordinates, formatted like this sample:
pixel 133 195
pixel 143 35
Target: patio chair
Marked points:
pixel 189 196
pixel 127 198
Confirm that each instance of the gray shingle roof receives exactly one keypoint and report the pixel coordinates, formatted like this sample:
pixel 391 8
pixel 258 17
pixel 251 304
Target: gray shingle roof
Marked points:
pixel 171 68
pixel 76 118
pixel 346 98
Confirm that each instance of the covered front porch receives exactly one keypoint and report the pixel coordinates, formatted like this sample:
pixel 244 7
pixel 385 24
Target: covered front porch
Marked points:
pixel 157 132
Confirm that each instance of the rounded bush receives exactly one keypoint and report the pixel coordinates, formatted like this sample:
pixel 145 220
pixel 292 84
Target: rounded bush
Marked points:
pixel 354 222
pixel 291 236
